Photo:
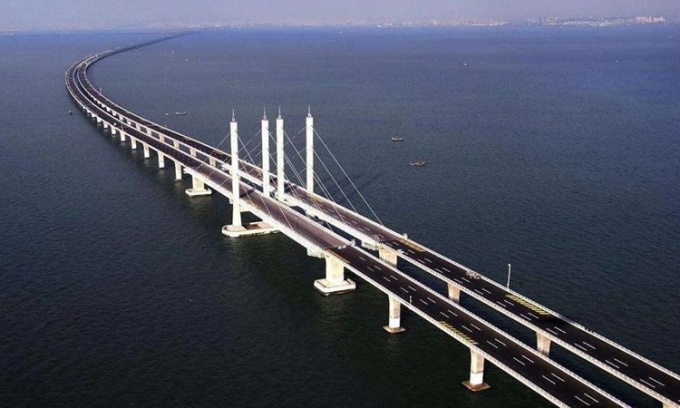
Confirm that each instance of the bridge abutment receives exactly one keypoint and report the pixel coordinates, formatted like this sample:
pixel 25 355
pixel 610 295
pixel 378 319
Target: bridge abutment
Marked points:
pixel 394 325
pixel 476 382
pixel 334 282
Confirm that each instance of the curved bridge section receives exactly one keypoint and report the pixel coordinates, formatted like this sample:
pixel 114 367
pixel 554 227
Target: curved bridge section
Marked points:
pixel 248 187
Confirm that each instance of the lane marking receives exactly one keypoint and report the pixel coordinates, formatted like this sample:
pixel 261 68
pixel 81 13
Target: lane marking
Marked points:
pixel 584 402
pixel 657 381
pixel 485 290
pixel 444 314
pixel 589 345
pixel 524 317
pixel 560 330
pixel 533 315
pixel 549 380
pixel 528 359
pixel 596 401
pixel 451 311
pixel 423 302
pixel 447 270
pixel 557 376
pixel 411 287
pixel 467 328
pixel 479 291
pixel 501 303
pixel 582 348
pixel 647 383
pixel 471 324
pixel 612 364
pixel 621 362
pixel 519 361
pixel 430 299
pixel 492 345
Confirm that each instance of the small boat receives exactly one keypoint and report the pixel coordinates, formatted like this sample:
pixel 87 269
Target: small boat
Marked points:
pixel 70 113
pixel 419 163
pixel 397 139
pixel 180 113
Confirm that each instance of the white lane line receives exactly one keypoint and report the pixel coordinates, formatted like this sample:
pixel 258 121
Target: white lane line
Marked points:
pixel 411 287
pixel 427 260
pixel 532 315
pixel 447 270
pixel 581 347
pixel 657 381
pixel 559 330
pixel 491 344
pixel 479 291
pixel 501 303
pixel 423 302
pixel 524 317
pixel 621 362
pixel 370 269
pixel 437 270
pixel 528 359
pixel 584 402
pixel 386 278
pixel 481 329
pixel 467 328
pixel 484 289
pixel 452 312
pixel 557 376
pixel 444 314
pixel 548 380
pixel 589 345
pixel 519 361
pixel 508 302
pixel 548 329
pixel 612 364
pixel 466 280
pixel 647 383
pixel 430 299
pixel 457 280
pixel 378 268
pixel 411 251
pixel 402 288
pixel 504 345
pixel 596 401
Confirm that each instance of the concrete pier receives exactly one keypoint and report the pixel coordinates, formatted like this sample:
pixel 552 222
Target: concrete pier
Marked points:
pixel 146 150
pixel 133 141
pixel 543 344
pixel 453 291
pixel 476 382
pixel 335 282
pixel 161 160
pixel 197 188
pixel 388 255
pixel 394 325
pixel 178 170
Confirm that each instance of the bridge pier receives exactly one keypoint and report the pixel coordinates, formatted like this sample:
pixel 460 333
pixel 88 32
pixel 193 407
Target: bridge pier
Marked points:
pixel 454 292
pixel 335 282
pixel 388 255
pixel 133 141
pixel 146 150
pixel 394 325
pixel 542 344
pixel 178 170
pixel 197 187
pixel 476 382
pixel 161 160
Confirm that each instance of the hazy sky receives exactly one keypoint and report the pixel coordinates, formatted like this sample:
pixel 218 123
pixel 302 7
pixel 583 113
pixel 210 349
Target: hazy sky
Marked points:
pixel 86 13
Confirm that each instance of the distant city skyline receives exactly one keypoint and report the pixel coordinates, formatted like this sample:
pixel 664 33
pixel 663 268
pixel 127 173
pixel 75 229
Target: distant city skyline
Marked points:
pixel 83 14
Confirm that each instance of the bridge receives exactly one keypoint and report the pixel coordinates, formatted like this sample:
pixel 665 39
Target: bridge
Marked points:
pixel 372 252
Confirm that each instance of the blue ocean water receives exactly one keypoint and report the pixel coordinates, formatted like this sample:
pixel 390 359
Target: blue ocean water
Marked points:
pixel 554 150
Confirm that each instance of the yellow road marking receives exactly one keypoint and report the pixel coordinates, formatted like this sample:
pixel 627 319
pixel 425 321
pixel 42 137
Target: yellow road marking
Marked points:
pixel 528 304
pixel 452 329
pixel 411 245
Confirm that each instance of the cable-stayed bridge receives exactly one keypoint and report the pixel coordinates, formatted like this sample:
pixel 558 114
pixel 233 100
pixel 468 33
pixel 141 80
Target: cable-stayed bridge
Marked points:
pixel 370 250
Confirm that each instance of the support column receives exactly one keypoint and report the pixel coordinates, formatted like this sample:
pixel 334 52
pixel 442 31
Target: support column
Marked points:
pixel 192 151
pixel 178 170
pixel 161 160
pixel 146 150
pixel 122 137
pixel 279 157
pixel 454 292
pixel 133 141
pixel 197 187
pixel 542 344
pixel 113 130
pixel 309 150
pixel 394 325
pixel 476 382
pixel 335 281
pixel 388 255
pixel 266 187
pixel 212 161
